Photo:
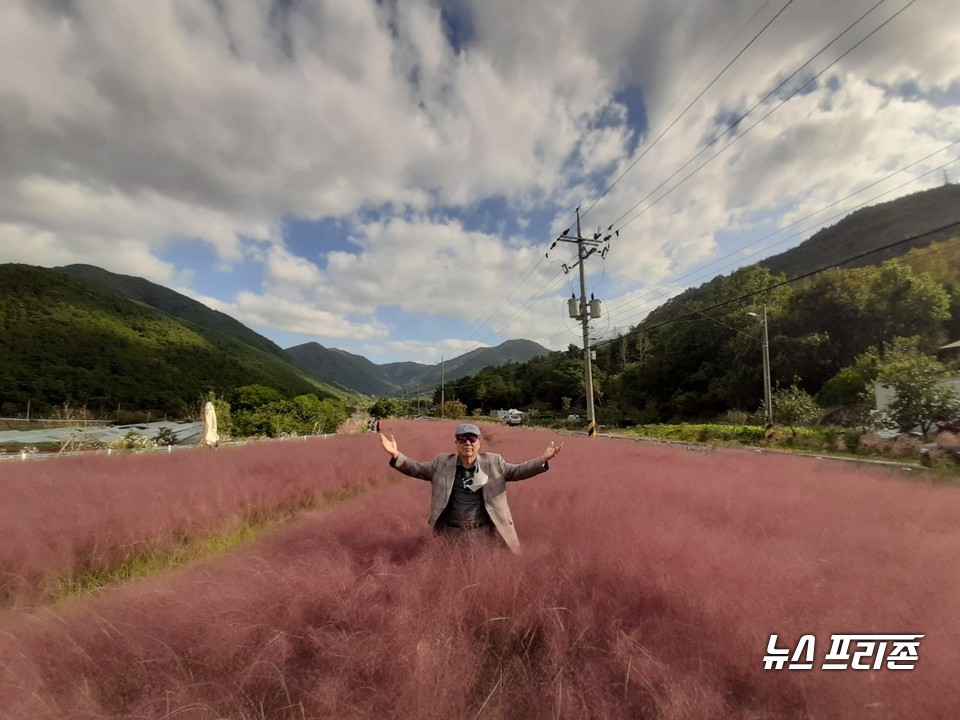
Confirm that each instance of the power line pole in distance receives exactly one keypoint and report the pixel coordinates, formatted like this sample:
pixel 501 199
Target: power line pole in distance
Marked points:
pixel 583 311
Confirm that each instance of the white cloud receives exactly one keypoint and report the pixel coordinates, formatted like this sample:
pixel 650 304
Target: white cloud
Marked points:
pixel 428 353
pixel 126 128
pixel 275 312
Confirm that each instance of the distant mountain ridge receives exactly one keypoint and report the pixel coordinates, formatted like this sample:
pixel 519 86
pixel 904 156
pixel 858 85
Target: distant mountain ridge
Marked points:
pixel 358 373
pixel 85 334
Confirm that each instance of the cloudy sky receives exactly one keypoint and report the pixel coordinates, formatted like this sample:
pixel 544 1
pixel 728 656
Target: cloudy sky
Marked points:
pixel 387 177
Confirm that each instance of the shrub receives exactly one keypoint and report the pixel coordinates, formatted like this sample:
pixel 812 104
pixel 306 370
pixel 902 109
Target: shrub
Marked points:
pixel 133 440
pixel 794 406
pixel 851 440
pixel 922 398
pixel 453 409
pixel 164 437
pixel 736 417
pixel 830 437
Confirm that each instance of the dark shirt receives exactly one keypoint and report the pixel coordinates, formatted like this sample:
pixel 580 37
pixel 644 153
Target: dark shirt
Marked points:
pixel 465 509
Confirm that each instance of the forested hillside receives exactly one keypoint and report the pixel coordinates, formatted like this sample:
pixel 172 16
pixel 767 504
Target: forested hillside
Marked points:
pixel 171 303
pixel 874 227
pixel 63 340
pixel 340 367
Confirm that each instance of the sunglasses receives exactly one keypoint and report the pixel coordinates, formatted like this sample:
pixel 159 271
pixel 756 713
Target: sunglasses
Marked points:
pixel 464 439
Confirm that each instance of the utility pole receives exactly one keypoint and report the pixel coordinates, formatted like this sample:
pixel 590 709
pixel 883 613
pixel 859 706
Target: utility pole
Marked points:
pixel 583 311
pixel 441 387
pixel 767 406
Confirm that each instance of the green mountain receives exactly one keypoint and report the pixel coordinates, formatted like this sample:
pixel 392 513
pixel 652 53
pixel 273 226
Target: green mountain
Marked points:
pixel 360 374
pixel 874 227
pixel 341 368
pixel 87 341
pixel 172 303
pixel 859 232
pixel 475 360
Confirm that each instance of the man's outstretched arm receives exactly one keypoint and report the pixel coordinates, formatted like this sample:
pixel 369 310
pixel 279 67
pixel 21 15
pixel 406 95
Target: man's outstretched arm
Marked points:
pixel 390 445
pixel 533 467
pixel 551 452
pixel 408 466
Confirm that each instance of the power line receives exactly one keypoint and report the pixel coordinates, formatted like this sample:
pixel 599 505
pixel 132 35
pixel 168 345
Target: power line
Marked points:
pixel 523 280
pixel 742 117
pixel 789 281
pixel 649 147
pixel 660 291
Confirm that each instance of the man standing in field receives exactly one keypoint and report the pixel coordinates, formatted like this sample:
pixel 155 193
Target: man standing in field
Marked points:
pixel 469 495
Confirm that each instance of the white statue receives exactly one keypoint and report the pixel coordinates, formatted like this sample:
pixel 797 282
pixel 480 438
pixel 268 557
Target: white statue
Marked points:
pixel 210 436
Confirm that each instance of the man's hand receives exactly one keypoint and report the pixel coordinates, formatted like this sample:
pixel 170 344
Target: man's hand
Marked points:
pixel 391 446
pixel 551 452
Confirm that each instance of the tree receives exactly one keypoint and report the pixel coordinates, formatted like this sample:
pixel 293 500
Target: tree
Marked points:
pixel 386 407
pixel 909 303
pixel 453 409
pixel 851 385
pixel 866 306
pixel 793 407
pixel 251 397
pixel 333 413
pixel 314 415
pixel 922 398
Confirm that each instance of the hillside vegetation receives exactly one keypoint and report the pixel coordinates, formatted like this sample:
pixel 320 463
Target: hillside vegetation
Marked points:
pixel 874 227
pixel 61 339
pixel 171 303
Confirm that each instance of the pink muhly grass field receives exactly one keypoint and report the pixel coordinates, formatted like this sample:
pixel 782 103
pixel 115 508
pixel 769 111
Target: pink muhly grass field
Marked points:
pixel 64 517
pixel 650 582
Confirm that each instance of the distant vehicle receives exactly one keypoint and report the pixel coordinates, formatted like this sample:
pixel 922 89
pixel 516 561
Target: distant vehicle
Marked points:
pixel 513 417
pixel 573 418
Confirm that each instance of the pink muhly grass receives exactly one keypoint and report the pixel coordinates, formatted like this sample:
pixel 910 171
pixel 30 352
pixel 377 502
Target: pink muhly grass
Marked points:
pixel 66 517
pixel 650 582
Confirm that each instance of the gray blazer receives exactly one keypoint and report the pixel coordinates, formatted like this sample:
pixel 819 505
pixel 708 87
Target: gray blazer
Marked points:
pixel 492 471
